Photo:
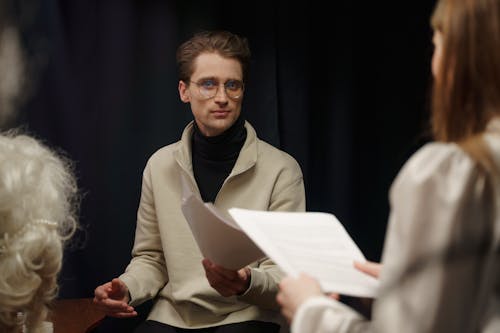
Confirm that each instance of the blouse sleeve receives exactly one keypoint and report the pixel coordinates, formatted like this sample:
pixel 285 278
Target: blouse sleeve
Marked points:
pixel 326 315
pixel 430 260
pixel 438 225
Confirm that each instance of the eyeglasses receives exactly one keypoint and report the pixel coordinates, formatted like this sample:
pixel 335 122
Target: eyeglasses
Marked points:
pixel 208 88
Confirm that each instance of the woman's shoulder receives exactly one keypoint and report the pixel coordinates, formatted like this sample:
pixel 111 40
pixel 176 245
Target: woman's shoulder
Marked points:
pixel 439 167
pixel 438 157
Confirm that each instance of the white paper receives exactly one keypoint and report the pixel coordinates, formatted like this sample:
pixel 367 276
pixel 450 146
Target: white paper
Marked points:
pixel 311 242
pixel 218 237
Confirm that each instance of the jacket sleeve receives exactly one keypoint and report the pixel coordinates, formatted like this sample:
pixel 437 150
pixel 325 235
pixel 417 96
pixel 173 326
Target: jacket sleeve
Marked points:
pixel 146 274
pixel 288 195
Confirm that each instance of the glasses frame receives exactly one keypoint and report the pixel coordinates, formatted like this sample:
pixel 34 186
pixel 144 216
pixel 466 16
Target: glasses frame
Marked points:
pixel 200 87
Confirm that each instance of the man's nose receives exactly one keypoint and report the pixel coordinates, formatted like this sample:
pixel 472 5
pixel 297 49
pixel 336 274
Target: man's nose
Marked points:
pixel 221 94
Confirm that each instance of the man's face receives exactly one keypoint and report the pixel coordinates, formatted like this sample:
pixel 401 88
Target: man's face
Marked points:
pixel 213 115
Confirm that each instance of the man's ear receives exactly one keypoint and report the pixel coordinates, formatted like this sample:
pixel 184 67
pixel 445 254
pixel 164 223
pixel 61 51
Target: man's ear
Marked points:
pixel 184 92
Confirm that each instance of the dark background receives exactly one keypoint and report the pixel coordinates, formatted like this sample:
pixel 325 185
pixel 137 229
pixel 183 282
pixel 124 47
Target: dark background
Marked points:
pixel 342 87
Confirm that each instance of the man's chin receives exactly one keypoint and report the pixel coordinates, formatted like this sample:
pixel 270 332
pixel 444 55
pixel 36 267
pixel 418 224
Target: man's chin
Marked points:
pixel 221 125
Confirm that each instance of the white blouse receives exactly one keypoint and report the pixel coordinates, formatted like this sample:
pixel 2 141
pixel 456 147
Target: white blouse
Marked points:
pixel 441 256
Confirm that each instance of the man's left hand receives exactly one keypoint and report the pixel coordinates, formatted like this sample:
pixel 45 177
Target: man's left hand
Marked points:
pixel 227 282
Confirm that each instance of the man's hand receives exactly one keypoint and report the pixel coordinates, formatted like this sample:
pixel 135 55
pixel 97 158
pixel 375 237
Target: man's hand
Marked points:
pixel 227 282
pixel 112 298
pixel 295 291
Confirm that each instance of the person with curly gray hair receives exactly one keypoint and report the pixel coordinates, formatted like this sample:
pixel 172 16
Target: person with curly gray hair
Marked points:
pixel 38 205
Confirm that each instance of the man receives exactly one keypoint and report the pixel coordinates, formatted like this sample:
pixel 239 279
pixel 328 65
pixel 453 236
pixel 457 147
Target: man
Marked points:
pixel 222 159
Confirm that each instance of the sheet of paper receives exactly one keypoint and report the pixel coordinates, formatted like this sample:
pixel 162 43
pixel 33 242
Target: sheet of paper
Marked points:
pixel 218 237
pixel 312 242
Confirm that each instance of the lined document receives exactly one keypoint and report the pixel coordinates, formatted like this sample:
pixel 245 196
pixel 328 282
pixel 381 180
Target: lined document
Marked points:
pixel 312 242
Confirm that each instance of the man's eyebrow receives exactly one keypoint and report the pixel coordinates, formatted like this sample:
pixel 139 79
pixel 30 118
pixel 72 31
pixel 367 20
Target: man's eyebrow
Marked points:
pixel 208 78
pixel 204 78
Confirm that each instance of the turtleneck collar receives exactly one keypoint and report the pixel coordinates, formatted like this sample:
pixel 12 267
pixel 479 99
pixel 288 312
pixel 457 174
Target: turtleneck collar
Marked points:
pixel 223 147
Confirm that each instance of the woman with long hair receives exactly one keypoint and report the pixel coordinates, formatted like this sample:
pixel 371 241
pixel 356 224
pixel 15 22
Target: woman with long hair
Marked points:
pixel 441 259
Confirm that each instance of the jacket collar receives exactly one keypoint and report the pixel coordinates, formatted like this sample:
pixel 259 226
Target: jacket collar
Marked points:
pixel 246 159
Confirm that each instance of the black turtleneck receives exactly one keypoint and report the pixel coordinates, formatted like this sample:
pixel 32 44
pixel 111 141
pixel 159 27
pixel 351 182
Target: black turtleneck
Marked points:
pixel 214 157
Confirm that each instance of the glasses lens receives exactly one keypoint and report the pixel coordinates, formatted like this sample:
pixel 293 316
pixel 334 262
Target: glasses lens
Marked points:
pixel 208 88
pixel 234 88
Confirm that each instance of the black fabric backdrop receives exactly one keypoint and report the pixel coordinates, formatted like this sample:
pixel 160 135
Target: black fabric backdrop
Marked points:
pixel 342 87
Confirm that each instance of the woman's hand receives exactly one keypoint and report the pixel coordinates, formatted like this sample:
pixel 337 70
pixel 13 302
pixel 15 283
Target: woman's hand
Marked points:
pixel 295 291
pixel 369 267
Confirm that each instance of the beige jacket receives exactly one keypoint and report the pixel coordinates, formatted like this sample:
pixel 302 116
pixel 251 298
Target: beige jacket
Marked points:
pixel 166 263
pixel 441 258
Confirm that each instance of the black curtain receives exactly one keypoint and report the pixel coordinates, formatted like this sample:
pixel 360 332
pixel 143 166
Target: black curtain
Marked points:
pixel 341 86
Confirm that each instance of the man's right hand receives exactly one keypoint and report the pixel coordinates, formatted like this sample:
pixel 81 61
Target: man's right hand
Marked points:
pixel 112 298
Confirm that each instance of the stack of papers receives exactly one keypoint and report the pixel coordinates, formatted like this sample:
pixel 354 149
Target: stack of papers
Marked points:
pixel 310 242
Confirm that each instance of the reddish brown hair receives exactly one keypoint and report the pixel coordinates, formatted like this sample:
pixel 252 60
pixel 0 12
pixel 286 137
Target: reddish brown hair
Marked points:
pixel 225 43
pixel 466 92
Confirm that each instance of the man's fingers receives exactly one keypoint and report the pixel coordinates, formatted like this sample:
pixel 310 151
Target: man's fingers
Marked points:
pixel 101 292
pixel 117 285
pixel 120 314
pixel 226 273
pixel 115 308
pixel 124 314
pixel 112 305
pixel 221 284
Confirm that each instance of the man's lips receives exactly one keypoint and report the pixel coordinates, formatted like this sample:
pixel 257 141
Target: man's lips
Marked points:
pixel 220 113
